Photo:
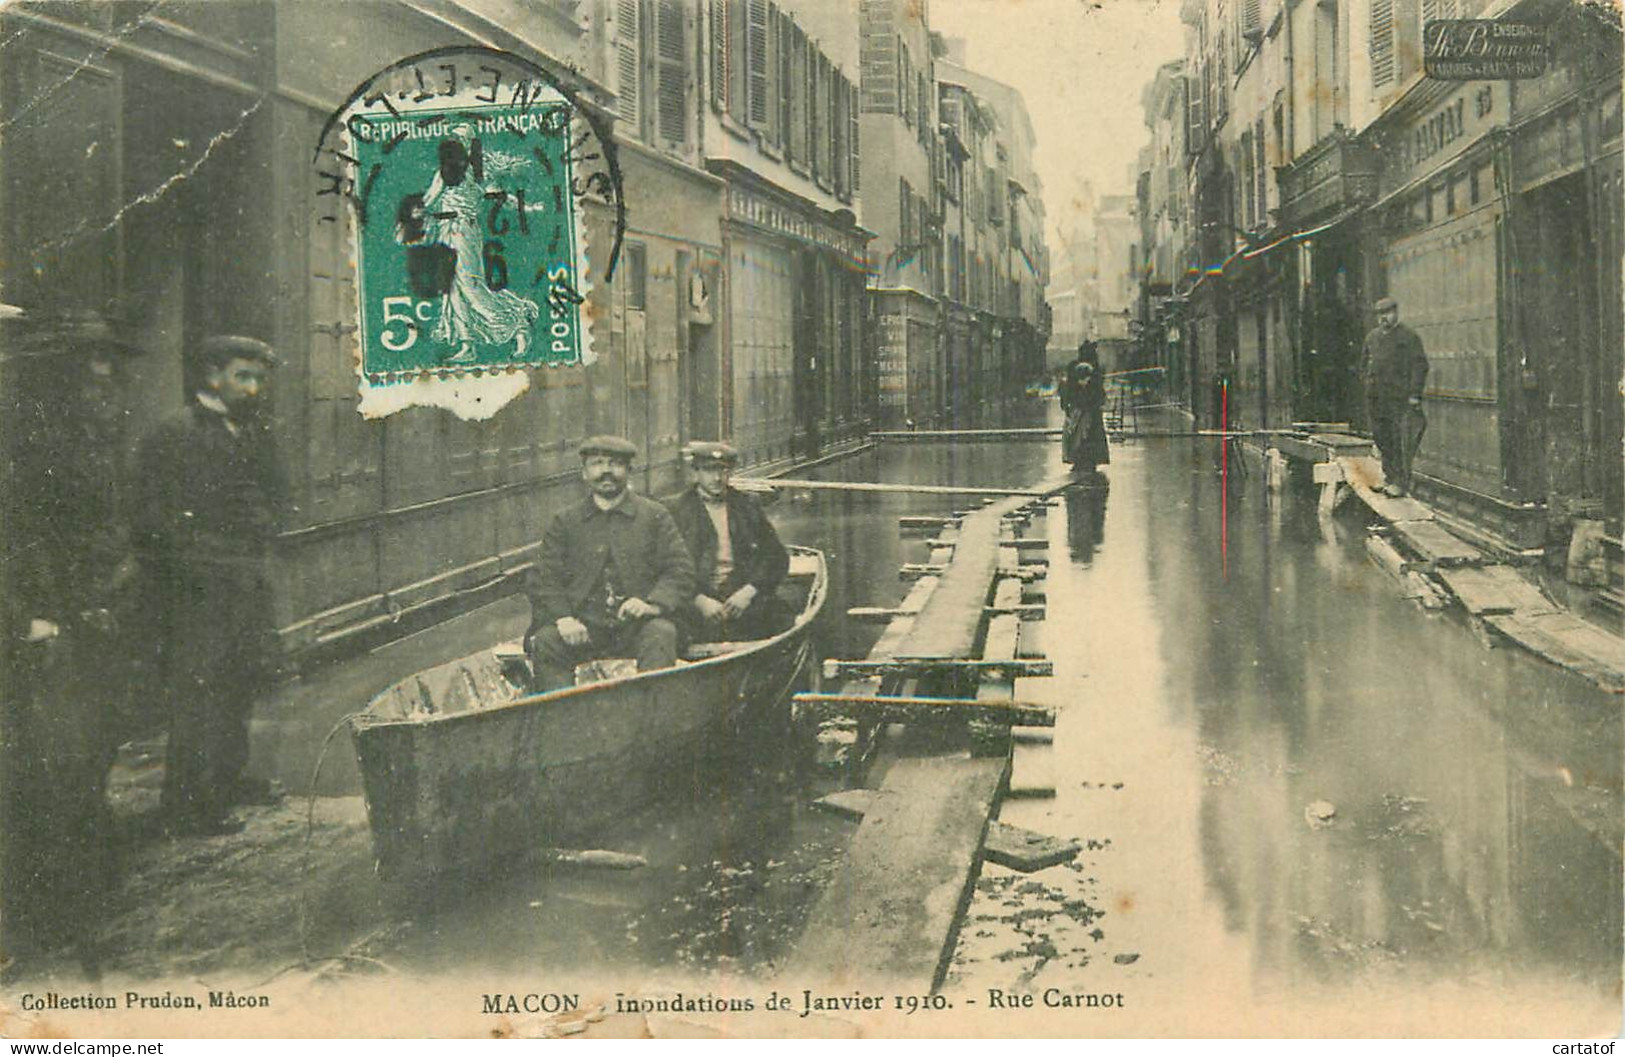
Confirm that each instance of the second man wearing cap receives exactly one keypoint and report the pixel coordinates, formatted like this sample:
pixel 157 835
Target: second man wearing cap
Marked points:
pixel 612 574
pixel 738 559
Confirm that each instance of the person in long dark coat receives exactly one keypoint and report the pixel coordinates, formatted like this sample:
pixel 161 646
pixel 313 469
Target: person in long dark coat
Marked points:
pixel 1083 399
pixel 613 573
pixel 739 560
pixel 1396 369
pixel 210 492
pixel 69 605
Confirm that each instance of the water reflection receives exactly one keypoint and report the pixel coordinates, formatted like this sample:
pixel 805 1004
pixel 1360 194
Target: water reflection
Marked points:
pixel 1086 520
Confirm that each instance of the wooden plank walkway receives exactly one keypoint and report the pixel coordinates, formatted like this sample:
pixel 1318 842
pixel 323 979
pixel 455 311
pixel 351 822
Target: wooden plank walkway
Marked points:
pixel 893 911
pixel 1495 589
pixel 1436 545
pixel 907 876
pixel 1569 641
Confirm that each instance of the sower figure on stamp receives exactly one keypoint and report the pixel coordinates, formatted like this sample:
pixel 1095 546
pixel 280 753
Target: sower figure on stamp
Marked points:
pixel 209 491
pixel 1396 369
pixel 738 559
pixel 69 604
pixel 613 572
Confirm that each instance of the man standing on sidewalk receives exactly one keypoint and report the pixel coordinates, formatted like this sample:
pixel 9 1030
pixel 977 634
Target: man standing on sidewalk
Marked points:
pixel 1396 369
pixel 209 493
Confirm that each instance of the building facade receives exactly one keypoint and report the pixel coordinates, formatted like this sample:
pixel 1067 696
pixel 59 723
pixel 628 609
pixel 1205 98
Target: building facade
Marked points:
pixel 1326 169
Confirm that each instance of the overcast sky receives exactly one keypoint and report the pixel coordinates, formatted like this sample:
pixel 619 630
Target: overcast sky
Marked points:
pixel 1081 64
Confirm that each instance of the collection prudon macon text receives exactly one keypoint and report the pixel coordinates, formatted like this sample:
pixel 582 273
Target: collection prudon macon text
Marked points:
pixel 53 1001
pixel 802 1003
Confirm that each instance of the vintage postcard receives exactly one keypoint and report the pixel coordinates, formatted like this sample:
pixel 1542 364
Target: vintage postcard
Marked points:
pixel 811 518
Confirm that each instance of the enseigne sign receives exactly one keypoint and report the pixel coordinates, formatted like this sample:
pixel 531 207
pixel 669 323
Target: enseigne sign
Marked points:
pixel 1482 49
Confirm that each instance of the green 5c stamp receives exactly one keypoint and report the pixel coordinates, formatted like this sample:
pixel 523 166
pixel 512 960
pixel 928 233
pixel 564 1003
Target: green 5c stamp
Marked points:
pixel 463 179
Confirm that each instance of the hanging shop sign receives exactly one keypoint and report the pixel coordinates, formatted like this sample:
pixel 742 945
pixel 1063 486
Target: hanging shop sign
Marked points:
pixel 1482 49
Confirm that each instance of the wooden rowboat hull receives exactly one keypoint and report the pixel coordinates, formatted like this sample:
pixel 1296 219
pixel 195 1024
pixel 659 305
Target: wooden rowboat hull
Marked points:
pixel 457 792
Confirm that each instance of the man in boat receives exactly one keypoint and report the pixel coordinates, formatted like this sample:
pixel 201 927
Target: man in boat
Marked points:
pixel 209 489
pixel 738 559
pixel 613 573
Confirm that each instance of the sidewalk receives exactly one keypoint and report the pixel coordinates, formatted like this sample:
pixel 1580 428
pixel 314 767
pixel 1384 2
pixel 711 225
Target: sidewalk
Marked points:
pixel 1438 564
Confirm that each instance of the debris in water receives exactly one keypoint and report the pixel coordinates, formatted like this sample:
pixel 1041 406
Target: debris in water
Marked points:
pixel 1319 814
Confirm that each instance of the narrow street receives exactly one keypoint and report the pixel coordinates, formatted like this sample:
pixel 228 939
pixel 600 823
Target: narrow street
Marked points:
pixel 1299 794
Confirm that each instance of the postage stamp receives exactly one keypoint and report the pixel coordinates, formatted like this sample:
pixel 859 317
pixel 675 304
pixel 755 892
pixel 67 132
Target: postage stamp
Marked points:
pixel 463 178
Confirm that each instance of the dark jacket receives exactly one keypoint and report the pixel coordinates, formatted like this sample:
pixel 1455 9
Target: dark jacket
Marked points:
pixel 204 513
pixel 758 556
pixel 650 559
pixel 1396 369
pixel 206 498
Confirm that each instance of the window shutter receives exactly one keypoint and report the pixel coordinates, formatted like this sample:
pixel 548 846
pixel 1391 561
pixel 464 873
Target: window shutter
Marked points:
pixel 628 64
pixel 1382 42
pixel 671 72
pixel 720 57
pixel 1195 123
pixel 922 99
pixel 797 145
pixel 838 125
pixel 1262 172
pixel 905 84
pixel 853 140
pixel 1250 13
pixel 756 58
pixel 782 79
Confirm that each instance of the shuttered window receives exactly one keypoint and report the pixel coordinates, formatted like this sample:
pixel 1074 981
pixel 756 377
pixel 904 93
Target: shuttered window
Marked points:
pixel 628 64
pixel 1261 171
pixel 721 57
pixel 671 72
pixel 838 125
pixel 797 146
pixel 853 137
pixel 1250 15
pixel 1382 42
pixel 905 84
pixel 1195 114
pixel 782 82
pixel 759 113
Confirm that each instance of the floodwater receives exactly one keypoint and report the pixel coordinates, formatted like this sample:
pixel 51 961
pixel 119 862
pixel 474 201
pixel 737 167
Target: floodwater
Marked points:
pixel 1306 804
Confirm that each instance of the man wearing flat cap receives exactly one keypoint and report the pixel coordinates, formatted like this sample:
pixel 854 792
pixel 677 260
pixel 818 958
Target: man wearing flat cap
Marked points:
pixel 738 559
pixel 68 606
pixel 612 574
pixel 1396 369
pixel 209 494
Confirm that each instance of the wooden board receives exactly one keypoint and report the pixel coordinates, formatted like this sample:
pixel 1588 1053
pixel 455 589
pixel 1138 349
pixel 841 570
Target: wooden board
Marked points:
pixel 1010 846
pixel 910 709
pixel 891 914
pixel 1364 475
pixel 948 624
pixel 1024 850
pixel 1570 641
pixel 759 483
pixel 1436 545
pixel 1495 589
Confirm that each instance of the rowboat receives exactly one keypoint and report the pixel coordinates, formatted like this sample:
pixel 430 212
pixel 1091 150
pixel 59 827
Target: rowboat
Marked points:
pixel 461 767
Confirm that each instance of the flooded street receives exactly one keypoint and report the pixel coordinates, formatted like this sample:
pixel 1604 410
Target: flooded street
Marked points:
pixel 1305 803
pixel 1309 804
